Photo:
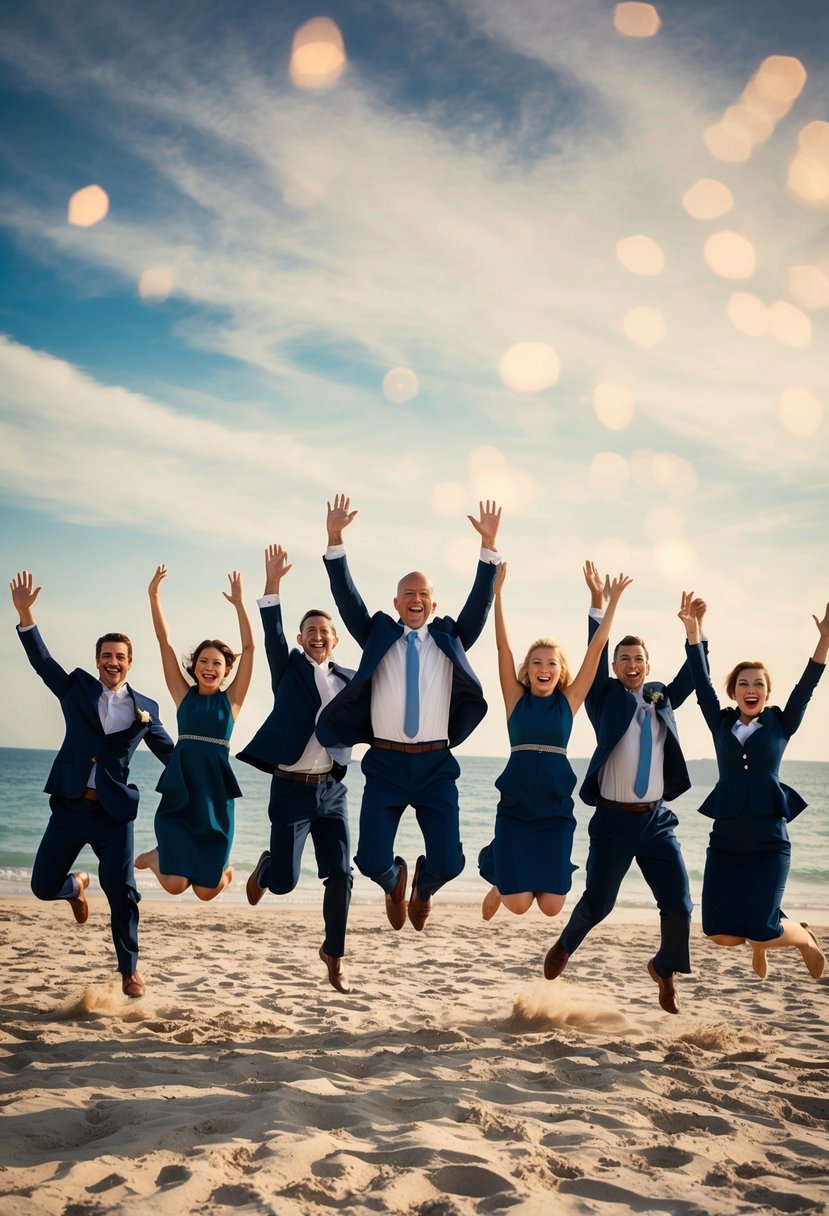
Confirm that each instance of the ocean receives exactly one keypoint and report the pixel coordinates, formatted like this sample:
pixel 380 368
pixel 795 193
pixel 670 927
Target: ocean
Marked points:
pixel 24 810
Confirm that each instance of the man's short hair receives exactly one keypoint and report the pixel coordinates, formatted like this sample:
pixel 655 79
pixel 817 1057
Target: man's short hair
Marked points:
pixel 316 612
pixel 113 637
pixel 630 640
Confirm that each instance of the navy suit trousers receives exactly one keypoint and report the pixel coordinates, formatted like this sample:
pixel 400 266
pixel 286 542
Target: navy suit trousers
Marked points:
pixel 75 822
pixel 295 811
pixel 426 781
pixel 617 838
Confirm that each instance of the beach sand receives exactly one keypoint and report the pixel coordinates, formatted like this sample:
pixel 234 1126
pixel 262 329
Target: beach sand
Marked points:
pixel 451 1080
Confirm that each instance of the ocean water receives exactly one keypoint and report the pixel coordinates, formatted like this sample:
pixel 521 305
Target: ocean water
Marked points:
pixel 24 810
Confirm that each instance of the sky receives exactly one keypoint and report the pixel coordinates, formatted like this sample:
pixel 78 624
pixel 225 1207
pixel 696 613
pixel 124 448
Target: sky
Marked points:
pixel 426 253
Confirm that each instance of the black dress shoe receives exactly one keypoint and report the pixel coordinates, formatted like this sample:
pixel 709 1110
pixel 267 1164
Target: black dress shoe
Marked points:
pixel 667 995
pixel 336 976
pixel 555 960
pixel 396 901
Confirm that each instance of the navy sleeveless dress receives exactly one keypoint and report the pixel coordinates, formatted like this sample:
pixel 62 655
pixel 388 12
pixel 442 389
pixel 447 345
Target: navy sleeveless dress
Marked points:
pixel 534 821
pixel 194 820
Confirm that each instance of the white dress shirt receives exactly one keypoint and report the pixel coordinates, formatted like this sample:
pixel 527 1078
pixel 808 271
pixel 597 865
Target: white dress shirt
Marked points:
pixel 618 773
pixel 388 684
pixel 315 758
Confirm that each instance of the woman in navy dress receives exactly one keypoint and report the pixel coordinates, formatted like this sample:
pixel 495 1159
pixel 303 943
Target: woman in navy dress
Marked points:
pixel 529 857
pixel 748 857
pixel 194 820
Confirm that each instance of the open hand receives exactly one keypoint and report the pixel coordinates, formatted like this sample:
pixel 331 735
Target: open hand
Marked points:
pixel 486 525
pixel 157 579
pixel 235 580
pixel 23 592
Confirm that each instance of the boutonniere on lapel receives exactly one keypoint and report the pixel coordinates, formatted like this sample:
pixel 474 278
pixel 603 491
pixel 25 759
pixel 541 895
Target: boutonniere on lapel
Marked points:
pixel 653 696
pixel 142 716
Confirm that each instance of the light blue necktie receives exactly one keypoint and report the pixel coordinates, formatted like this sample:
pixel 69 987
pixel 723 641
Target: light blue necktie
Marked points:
pixel 643 770
pixel 411 718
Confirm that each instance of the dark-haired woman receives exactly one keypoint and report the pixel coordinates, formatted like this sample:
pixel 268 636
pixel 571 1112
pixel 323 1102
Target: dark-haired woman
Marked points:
pixel 748 856
pixel 194 820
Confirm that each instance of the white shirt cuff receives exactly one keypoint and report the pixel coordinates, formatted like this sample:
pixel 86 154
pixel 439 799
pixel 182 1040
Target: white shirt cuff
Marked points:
pixel 335 551
pixel 596 614
pixel 25 628
pixel 269 601
pixel 491 556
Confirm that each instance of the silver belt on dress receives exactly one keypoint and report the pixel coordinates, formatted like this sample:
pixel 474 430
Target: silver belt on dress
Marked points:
pixel 539 747
pixel 206 739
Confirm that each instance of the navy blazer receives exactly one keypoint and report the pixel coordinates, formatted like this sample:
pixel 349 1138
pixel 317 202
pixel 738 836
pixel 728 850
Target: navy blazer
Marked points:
pixel 85 742
pixel 284 735
pixel 749 781
pixel 347 719
pixel 610 708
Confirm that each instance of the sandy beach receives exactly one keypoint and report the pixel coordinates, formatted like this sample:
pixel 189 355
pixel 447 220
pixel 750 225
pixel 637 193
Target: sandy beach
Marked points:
pixel 451 1080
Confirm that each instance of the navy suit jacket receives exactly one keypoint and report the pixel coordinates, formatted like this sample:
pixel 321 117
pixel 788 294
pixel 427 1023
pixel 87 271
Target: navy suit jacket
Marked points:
pixel 347 719
pixel 749 781
pixel 610 708
pixel 85 742
pixel 284 735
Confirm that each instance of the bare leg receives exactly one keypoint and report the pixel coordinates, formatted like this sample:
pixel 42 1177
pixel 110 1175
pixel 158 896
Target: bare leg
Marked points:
pixel 491 904
pixel 206 893
pixel 800 936
pixel 519 903
pixel 173 884
pixel 549 903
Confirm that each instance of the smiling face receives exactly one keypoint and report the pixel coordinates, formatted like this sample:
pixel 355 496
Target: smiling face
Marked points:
pixel 630 666
pixel 209 669
pixel 113 662
pixel 317 637
pixel 543 670
pixel 751 692
pixel 413 602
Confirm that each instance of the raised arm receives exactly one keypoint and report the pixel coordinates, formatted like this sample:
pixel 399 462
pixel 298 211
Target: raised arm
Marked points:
pixel 511 689
pixel 473 616
pixel 173 675
pixel 354 614
pixel 24 594
pixel 238 689
pixel 691 612
pixel 582 682
pixel 276 645
pixel 822 648
pixel 801 694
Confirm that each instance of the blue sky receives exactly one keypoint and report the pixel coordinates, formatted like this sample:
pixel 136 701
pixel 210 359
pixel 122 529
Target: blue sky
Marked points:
pixel 463 187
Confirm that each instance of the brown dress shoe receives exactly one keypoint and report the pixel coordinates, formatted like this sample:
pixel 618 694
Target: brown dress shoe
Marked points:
pixel 396 902
pixel 555 960
pixel 336 976
pixel 667 995
pixel 79 905
pixel 419 909
pixel 253 888
pixel 132 985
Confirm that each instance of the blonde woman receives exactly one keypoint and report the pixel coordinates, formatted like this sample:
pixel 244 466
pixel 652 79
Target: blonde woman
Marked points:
pixel 529 857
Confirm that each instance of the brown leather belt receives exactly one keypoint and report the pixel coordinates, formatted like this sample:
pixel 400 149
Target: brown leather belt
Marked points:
pixel 90 794
pixel 305 778
pixel 638 808
pixel 411 749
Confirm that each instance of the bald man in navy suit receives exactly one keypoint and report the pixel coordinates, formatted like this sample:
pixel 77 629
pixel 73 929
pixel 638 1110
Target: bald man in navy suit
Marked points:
pixel 307 791
pixel 90 796
pixel 413 698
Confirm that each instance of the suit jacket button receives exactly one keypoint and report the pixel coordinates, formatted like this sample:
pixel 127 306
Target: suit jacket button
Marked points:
pixel 745 757
pixel 745 766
